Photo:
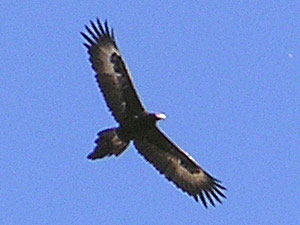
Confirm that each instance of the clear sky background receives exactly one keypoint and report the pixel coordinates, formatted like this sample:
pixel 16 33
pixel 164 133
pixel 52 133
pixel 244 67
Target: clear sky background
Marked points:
pixel 227 75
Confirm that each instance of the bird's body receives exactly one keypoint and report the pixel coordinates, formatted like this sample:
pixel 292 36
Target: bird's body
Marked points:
pixel 138 125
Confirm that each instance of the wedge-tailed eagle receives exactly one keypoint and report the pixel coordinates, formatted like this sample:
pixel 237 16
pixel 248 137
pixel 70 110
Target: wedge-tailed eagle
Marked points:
pixel 138 125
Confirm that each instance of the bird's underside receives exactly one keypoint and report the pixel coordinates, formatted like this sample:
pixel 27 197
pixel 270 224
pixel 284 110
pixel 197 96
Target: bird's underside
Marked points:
pixel 139 126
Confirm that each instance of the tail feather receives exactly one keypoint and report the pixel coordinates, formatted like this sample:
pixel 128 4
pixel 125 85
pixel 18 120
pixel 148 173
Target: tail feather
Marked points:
pixel 108 143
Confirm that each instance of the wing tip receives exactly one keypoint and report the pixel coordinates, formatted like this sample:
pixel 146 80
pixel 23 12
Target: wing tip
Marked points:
pixel 203 199
pixel 87 45
pixel 97 34
pixel 211 194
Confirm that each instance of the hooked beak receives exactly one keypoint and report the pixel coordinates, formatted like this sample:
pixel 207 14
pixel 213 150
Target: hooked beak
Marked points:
pixel 160 116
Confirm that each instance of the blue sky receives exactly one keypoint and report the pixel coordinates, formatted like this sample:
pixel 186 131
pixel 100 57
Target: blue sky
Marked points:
pixel 226 75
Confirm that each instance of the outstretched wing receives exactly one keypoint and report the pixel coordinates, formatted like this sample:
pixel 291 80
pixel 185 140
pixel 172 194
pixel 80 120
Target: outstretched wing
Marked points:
pixel 179 167
pixel 112 74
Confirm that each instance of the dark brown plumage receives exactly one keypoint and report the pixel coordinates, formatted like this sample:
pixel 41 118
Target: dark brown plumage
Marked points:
pixel 139 126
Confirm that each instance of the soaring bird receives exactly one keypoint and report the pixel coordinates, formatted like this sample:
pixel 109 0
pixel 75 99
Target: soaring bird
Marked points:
pixel 137 125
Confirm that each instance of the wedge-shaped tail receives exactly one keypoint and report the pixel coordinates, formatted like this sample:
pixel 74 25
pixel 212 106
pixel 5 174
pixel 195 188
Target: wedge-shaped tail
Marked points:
pixel 108 143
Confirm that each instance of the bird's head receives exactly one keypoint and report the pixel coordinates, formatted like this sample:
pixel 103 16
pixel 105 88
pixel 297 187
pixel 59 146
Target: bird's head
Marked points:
pixel 158 116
